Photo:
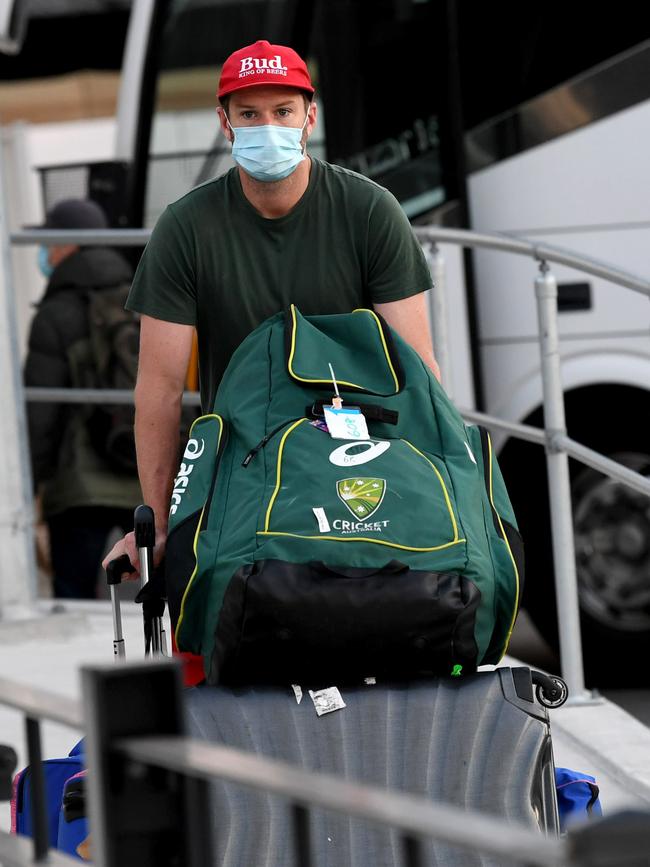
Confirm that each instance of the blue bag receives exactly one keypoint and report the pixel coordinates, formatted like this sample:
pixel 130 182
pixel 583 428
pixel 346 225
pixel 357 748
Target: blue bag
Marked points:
pixel 57 772
pixel 577 797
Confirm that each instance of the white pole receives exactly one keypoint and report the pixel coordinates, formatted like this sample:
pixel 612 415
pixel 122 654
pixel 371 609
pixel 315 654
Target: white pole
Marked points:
pixel 438 313
pixel 17 552
pixel 557 463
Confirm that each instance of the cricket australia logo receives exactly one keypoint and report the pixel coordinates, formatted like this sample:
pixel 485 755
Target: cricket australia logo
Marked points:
pixel 361 496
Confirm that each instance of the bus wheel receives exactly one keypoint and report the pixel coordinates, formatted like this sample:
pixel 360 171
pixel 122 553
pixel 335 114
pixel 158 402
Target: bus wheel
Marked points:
pixel 612 543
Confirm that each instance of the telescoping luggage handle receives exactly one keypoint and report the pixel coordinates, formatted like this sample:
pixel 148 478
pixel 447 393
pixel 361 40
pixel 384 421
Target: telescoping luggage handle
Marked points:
pixel 114 572
pixel 152 603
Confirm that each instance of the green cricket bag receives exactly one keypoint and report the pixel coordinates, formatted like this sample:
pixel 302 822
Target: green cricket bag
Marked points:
pixel 294 557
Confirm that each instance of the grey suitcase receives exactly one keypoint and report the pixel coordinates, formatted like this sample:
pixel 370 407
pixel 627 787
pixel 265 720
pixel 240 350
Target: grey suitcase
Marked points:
pixel 480 742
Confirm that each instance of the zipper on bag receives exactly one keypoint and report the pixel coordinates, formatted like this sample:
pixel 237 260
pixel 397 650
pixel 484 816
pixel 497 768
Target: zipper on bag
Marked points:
pixel 487 463
pixel 262 443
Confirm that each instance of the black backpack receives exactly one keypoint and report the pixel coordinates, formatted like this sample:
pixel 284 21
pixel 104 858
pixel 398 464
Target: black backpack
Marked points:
pixel 108 359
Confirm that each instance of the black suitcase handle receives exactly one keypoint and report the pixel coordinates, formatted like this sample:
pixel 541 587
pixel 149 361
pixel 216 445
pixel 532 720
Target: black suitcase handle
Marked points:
pixel 144 527
pixel 116 568
pixel 152 591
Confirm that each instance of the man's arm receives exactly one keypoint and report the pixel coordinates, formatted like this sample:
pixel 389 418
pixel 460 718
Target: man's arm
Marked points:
pixel 408 317
pixel 165 349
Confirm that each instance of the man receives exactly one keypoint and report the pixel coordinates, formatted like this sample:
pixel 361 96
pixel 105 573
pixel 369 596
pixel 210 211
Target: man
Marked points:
pixel 82 497
pixel 280 227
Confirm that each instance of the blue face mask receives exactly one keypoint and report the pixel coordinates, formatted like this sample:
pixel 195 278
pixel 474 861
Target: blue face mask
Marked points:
pixel 44 262
pixel 268 153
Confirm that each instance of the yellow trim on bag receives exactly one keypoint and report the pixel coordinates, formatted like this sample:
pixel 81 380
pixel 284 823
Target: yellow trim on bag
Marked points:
pixel 192 577
pixel 291 354
pixel 198 528
pixel 442 485
pixel 339 381
pixel 383 342
pixel 278 471
pixel 201 417
pixel 361 539
pixel 505 539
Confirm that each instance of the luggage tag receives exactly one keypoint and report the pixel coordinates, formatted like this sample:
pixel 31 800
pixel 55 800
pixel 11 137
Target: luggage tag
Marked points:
pixel 344 423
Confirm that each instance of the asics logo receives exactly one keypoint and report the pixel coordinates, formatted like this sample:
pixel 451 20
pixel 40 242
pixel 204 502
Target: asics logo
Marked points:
pixel 193 450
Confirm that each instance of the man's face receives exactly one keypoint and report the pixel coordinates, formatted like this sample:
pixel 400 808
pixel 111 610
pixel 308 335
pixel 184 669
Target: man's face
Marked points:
pixel 268 105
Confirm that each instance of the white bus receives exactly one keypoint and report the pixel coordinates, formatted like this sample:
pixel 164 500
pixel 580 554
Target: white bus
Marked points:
pixel 543 133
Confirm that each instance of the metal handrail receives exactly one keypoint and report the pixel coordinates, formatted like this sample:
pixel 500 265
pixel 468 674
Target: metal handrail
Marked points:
pixel 540 252
pixel 82 237
pixel 460 237
pixel 560 442
pixel 41 704
pixel 410 814
pixel 599 462
pixel 576 450
pixel 521 431
pixel 37 394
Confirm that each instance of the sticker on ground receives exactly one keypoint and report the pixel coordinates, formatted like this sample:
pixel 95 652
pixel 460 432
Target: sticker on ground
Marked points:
pixel 327 700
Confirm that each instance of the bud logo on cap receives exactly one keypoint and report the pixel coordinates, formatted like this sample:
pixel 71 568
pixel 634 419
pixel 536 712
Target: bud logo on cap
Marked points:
pixel 251 65
pixel 263 63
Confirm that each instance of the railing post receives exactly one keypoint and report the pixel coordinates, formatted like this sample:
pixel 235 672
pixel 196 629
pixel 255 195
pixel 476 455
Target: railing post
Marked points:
pixel 438 312
pixel 413 849
pixel 557 463
pixel 141 815
pixel 37 791
pixel 17 551
pixel 301 837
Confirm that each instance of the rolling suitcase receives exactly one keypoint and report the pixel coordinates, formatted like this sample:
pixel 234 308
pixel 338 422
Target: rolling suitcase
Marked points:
pixel 480 742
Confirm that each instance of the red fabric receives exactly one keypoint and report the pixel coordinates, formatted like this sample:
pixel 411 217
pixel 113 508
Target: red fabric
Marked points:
pixel 263 63
pixel 192 665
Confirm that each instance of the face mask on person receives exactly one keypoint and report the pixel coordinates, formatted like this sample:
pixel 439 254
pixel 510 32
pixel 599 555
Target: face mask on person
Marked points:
pixel 268 153
pixel 44 262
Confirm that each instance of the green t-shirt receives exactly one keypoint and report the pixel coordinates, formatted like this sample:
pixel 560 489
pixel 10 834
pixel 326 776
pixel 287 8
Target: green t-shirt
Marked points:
pixel 214 262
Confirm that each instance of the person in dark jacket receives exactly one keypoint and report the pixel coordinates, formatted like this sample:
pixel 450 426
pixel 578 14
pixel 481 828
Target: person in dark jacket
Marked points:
pixel 83 499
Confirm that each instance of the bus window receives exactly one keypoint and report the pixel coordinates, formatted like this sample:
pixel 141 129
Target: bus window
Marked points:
pixel 383 82
pixel 186 146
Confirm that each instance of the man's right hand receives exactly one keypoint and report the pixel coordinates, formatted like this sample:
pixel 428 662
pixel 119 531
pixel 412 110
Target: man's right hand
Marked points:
pixel 127 546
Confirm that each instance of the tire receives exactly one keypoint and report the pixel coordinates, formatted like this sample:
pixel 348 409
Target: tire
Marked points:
pixel 612 535
pixel 612 541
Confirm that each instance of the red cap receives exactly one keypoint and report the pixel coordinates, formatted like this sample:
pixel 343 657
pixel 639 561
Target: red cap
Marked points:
pixel 263 63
